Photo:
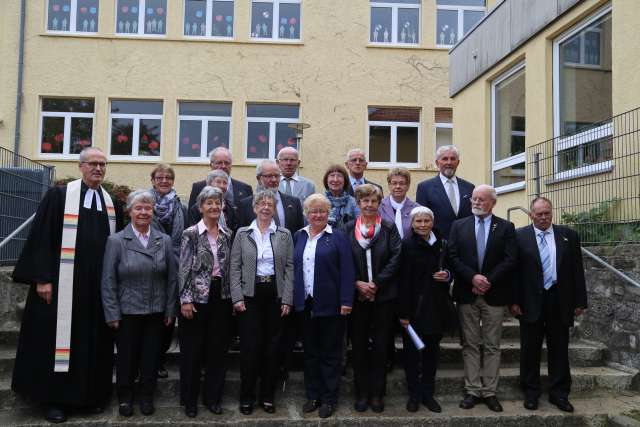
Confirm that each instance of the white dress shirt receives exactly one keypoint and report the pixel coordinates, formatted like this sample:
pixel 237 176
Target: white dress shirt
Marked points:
pixel 355 182
pixel 143 238
pixel 551 245
pixel 456 190
pixel 293 181
pixel 264 261
pixel 487 226
pixel 309 259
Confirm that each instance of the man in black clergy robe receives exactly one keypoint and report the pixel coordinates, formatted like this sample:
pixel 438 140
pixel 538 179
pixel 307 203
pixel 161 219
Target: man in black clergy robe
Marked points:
pixel 87 384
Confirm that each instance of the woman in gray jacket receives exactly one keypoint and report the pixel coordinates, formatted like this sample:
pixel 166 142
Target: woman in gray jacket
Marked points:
pixel 138 295
pixel 262 293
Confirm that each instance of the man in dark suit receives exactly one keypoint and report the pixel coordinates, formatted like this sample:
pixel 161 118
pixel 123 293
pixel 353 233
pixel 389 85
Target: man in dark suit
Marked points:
pixel 549 290
pixel 356 165
pixel 288 208
pixel 482 255
pixel 446 195
pixel 220 158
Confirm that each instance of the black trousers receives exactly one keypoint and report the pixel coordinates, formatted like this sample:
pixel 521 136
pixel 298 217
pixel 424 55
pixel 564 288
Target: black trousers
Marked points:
pixel 557 336
pixel 260 334
pixel 139 339
pixel 371 321
pixel 167 339
pixel 204 341
pixel 420 366
pixel 323 339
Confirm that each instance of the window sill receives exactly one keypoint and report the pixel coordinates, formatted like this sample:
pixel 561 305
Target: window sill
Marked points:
pixel 184 39
pixel 505 189
pixel 583 172
pixel 403 47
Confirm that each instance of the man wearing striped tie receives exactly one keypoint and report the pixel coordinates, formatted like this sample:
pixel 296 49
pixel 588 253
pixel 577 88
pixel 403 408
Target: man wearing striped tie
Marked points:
pixel 549 291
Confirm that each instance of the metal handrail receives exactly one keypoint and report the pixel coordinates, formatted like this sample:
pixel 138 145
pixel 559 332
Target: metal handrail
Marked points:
pixel 516 208
pixel 610 267
pixel 15 232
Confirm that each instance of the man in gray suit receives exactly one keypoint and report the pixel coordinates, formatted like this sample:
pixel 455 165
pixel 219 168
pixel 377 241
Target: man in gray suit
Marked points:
pixel 291 183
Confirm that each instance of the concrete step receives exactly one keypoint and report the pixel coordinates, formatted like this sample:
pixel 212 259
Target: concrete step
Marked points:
pixel 590 412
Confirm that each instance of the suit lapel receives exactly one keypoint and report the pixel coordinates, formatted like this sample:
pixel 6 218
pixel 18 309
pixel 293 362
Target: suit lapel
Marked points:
pixel 560 246
pixel 444 199
pixel 532 242
pixel 471 231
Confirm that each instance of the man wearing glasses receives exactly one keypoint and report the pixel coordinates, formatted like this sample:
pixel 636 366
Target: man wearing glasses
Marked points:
pixel 356 165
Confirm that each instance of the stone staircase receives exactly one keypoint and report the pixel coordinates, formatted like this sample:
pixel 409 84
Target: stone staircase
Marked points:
pixel 604 394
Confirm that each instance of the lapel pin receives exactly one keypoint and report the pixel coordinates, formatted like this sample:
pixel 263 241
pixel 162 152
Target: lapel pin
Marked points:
pixel 493 227
pixel 565 239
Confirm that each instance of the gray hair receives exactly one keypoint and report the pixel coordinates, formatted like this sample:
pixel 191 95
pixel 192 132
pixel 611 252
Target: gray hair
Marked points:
pixel 140 196
pixel 441 150
pixel 288 149
pixel 262 164
pixel 264 194
pixel 355 150
pixel 217 150
pixel 209 192
pixel 86 151
pixel 489 189
pixel 421 211
pixel 216 173
pixel 313 199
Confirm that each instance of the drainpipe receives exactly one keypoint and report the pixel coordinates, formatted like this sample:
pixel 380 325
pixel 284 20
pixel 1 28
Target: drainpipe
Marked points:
pixel 16 147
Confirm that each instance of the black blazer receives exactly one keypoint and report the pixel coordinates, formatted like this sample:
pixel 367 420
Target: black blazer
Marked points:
pixel 366 181
pixel 293 218
pixel 499 260
pixel 432 194
pixel 240 191
pixel 528 278
pixel 385 259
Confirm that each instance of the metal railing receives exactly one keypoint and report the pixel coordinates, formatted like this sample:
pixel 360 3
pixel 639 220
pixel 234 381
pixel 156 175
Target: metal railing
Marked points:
pixel 23 182
pixel 592 177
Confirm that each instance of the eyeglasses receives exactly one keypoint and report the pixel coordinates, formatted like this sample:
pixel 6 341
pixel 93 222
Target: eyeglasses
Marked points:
pixel 273 176
pixel 163 178
pixel 318 212
pixel 94 165
pixel 357 160
pixel 266 205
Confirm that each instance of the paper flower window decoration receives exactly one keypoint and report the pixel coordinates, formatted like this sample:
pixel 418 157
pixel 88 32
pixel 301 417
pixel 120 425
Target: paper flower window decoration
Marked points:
pixel 263 139
pixel 218 18
pixel 154 145
pixel 46 147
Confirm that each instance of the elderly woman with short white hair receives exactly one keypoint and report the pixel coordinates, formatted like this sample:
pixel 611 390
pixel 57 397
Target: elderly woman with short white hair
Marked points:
pixel 139 299
pixel 424 303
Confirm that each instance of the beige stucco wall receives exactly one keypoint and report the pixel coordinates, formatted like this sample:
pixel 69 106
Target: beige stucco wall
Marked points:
pixel 472 106
pixel 332 73
pixel 9 22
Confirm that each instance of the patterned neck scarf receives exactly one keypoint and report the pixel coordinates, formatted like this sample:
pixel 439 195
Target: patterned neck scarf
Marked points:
pixel 163 208
pixel 364 233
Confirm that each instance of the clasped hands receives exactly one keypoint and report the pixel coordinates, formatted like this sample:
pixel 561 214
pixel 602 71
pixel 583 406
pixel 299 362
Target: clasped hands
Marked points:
pixel 481 284
pixel 366 290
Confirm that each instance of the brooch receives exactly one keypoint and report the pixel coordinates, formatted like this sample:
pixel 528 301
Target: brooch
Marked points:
pixel 493 227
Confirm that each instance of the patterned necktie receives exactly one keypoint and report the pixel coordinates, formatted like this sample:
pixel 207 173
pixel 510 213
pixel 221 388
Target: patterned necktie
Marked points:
pixel 287 187
pixel 452 196
pixel 545 259
pixel 480 243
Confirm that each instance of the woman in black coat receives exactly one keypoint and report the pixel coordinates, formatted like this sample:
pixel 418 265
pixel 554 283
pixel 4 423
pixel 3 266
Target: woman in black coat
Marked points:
pixel 423 303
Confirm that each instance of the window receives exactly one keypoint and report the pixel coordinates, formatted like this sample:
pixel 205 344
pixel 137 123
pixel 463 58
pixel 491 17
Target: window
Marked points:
pixel 66 126
pixel 141 17
pixel 202 126
pixel 395 22
pixel 136 129
pixel 455 18
pixel 208 18
pixel 508 129
pixel 443 127
pixel 72 16
pixel 275 19
pixel 582 97
pixel 268 129
pixel 394 135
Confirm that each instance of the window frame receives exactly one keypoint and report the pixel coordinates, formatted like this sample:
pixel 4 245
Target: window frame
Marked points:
pixel 273 121
pixel 497 165
pixel 393 144
pixel 142 7
pixel 275 37
pixel 209 22
pixel 460 10
pixel 68 116
pixel 394 22
pixel 436 126
pixel 586 136
pixel 73 14
pixel 135 143
pixel 204 131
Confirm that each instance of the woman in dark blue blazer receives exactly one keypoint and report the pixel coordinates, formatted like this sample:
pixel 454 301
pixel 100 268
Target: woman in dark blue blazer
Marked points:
pixel 324 286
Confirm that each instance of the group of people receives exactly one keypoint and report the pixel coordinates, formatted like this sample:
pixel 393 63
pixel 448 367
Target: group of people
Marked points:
pixel 283 263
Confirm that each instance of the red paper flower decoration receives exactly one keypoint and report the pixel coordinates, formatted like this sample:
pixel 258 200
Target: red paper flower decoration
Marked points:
pixel 185 140
pixel 218 18
pixel 253 149
pixel 195 146
pixel 83 10
pixel 55 7
pixel 291 141
pixel 159 11
pixel 154 145
pixel 46 147
pixel 122 138
pixel 59 137
pixel 125 9
pixel 262 138
pixel 292 21
pixel 85 142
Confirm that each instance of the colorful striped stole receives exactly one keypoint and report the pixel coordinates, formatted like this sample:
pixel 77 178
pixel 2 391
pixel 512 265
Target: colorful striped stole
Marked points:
pixel 65 277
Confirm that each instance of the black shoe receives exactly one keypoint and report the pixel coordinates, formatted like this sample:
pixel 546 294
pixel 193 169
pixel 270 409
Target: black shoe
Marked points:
pixel 191 411
pixel 493 404
pixel 432 404
pixel 55 415
pixel 147 408
pixel 310 406
pixel 530 403
pixel 246 409
pixel 215 408
pixel 562 404
pixel 361 405
pixel 162 372
pixel 377 404
pixel 413 405
pixel 269 408
pixel 326 410
pixel 125 409
pixel 469 401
